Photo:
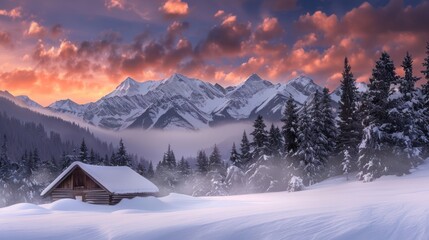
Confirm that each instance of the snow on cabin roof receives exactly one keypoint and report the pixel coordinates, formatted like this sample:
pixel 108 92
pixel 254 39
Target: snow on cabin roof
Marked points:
pixel 115 179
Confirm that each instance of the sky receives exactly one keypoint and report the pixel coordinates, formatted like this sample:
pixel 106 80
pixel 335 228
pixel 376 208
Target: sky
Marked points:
pixel 81 50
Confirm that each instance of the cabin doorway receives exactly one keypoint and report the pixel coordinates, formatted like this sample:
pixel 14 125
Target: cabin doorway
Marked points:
pixel 79 198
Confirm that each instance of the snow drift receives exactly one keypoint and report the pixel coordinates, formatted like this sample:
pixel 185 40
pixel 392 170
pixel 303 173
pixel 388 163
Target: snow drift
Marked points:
pixel 389 208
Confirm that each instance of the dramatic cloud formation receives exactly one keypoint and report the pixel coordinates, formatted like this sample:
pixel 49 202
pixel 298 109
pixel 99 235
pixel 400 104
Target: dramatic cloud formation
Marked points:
pixel 14 13
pixel 50 53
pixel 35 29
pixel 175 8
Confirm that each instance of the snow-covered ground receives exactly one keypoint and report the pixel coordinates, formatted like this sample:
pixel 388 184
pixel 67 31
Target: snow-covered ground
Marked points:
pixel 389 208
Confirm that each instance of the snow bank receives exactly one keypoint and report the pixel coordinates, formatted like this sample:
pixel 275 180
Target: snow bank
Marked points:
pixel 388 208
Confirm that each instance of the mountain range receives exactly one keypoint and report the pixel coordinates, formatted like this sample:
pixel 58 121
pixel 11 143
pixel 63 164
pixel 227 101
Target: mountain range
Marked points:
pixel 180 102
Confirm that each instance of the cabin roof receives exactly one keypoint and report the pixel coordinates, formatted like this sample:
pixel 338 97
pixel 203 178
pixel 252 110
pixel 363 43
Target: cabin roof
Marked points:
pixel 115 179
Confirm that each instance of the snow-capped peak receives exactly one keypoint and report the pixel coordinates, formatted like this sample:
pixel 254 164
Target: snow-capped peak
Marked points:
pixel 304 85
pixel 63 103
pixel 130 87
pixel 68 106
pixel 254 77
pixel 28 101
pixel 301 80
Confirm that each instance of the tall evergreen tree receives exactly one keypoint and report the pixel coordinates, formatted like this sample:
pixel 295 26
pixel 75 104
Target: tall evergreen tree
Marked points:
pixel 150 172
pixel 374 152
pixel 215 160
pixel 4 158
pixel 259 138
pixel 141 169
pixel 169 160
pixel 83 153
pixel 405 134
pixel 35 160
pixel 183 167
pixel 329 129
pixel 275 143
pixel 317 127
pixel 424 101
pixel 290 127
pixel 349 125
pixel 202 162
pixel 121 157
pixel 306 152
pixel 92 157
pixel 245 155
pixel 234 156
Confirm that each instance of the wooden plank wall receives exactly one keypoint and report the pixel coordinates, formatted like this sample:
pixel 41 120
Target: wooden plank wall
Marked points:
pixel 116 198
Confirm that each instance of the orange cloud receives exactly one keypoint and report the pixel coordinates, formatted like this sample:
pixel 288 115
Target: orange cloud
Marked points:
pixel 307 40
pixel 269 29
pixel 115 4
pixel 35 29
pixel 219 13
pixel 14 13
pixel 175 8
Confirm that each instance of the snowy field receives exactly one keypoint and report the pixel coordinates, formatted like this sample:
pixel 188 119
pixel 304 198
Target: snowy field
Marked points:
pixel 389 208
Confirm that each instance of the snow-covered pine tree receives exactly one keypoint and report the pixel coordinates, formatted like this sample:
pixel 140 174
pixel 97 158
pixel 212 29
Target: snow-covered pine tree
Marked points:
pixel 306 152
pixel 122 158
pixel 141 169
pixel 216 174
pixel 320 142
pixel 150 172
pixel 218 186
pixel 260 175
pixel 183 167
pixel 235 180
pixel 215 160
pixel 35 160
pixel 346 164
pixel 290 127
pixel 169 160
pixel 275 143
pixel 408 137
pixel 166 171
pixel 83 152
pixel 4 159
pixel 424 102
pixel 200 182
pixel 92 158
pixel 374 149
pixel 184 177
pixel 329 129
pixel 295 184
pixel 234 156
pixel 245 155
pixel 350 129
pixel 202 162
pixel 260 139
pixel 46 172
pixel 6 190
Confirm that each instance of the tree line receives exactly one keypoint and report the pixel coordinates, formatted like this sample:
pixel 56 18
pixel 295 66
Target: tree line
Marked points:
pixel 383 131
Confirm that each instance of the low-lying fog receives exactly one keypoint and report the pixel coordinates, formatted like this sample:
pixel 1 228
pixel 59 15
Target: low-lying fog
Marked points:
pixel 151 144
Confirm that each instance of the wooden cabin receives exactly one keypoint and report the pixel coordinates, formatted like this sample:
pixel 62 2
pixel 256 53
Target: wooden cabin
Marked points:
pixel 99 184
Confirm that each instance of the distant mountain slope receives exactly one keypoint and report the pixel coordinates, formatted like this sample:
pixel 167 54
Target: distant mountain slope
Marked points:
pixel 26 129
pixel 28 101
pixel 180 102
